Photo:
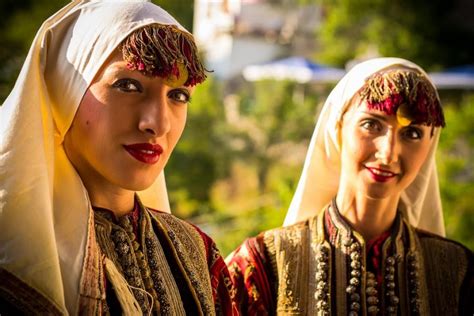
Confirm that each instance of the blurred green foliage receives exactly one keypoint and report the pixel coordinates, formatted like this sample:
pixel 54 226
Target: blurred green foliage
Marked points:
pixel 456 168
pixel 195 163
pixel 182 10
pixel 19 21
pixel 236 167
pixel 434 34
pixel 260 142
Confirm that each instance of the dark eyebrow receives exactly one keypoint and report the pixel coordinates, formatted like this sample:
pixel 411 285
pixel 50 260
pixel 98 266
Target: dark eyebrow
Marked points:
pixel 381 117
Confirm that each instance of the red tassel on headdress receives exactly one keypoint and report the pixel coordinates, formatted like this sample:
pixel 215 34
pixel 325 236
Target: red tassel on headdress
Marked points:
pixel 388 90
pixel 158 50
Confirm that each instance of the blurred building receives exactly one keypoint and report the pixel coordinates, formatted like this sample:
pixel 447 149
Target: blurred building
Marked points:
pixel 236 33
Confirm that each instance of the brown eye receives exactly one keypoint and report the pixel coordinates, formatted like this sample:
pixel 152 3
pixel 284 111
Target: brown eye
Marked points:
pixel 412 133
pixel 128 85
pixel 180 95
pixel 371 125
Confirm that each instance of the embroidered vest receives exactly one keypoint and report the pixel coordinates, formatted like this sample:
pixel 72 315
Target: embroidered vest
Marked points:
pixel 316 275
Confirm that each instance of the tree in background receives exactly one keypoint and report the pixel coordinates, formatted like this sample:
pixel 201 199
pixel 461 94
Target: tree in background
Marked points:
pixel 182 10
pixel 434 34
pixel 456 169
pixel 265 135
pixel 200 157
pixel 20 20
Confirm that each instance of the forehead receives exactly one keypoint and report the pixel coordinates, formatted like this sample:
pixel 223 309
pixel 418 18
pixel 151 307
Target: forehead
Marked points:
pixel 116 66
pixel 112 64
pixel 360 107
pixel 361 110
pixel 405 92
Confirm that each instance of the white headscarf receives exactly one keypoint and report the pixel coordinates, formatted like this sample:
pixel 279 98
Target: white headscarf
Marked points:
pixel 44 207
pixel 319 181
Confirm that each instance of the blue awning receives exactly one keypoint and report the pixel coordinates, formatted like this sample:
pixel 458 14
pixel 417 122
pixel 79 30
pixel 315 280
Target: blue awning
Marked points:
pixel 293 68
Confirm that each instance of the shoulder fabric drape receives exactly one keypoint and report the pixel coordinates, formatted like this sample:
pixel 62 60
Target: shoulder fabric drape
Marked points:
pixel 44 208
pixel 319 180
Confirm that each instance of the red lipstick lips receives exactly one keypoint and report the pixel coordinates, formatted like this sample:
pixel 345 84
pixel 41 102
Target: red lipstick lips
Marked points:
pixel 381 175
pixel 145 152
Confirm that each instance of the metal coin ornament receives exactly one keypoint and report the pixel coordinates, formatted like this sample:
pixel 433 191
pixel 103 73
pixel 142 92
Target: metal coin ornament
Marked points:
pixel 404 115
pixel 177 80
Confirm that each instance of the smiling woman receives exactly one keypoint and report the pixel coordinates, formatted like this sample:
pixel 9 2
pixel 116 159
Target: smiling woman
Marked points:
pixel 84 137
pixel 364 230
pixel 114 160
pixel 379 159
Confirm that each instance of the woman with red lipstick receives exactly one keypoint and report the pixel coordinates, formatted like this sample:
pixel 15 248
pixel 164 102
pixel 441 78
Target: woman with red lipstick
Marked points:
pixel 363 235
pixel 84 136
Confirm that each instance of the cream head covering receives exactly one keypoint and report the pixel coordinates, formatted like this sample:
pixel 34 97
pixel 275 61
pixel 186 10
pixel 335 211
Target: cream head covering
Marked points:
pixel 44 208
pixel 319 181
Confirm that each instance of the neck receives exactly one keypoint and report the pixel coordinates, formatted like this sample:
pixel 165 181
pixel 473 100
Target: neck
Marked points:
pixel 369 217
pixel 120 202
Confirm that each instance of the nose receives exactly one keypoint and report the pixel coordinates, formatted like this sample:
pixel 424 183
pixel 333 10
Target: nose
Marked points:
pixel 155 117
pixel 388 148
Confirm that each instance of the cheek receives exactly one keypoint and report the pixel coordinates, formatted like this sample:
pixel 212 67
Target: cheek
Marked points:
pixel 178 124
pixel 87 125
pixel 416 158
pixel 350 159
pixel 88 113
pixel 357 147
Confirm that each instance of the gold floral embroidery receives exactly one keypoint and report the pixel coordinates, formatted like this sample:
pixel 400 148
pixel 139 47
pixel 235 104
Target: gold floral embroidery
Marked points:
pixel 292 249
pixel 181 238
pixel 190 250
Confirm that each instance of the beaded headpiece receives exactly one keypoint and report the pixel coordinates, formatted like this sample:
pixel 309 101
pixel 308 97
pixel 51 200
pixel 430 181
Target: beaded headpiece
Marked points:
pixel 406 93
pixel 164 51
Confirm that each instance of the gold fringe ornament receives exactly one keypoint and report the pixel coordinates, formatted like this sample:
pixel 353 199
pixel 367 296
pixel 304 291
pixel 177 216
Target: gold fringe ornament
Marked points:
pixel 406 93
pixel 164 51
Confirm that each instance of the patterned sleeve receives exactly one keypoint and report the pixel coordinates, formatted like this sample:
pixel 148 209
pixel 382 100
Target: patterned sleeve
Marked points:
pixel 251 275
pixel 223 291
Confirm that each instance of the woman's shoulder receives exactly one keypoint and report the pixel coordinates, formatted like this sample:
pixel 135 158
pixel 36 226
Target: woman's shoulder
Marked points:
pixel 178 225
pixel 446 257
pixel 18 298
pixel 167 216
pixel 288 230
pixel 434 242
pixel 289 233
pixel 261 245
pixel 449 267
pixel 170 218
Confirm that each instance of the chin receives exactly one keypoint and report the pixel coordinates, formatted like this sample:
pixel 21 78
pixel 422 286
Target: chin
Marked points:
pixel 143 185
pixel 378 193
pixel 138 183
pixel 376 196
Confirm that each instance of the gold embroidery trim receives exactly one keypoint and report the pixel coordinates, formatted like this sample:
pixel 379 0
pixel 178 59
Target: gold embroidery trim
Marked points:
pixel 190 253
